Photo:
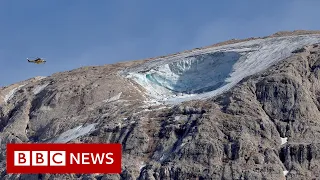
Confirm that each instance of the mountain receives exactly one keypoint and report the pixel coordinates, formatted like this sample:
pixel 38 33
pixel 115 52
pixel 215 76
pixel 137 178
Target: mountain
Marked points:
pixel 240 109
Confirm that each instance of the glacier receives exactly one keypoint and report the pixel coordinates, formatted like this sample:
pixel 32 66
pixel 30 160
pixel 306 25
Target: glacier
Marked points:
pixel 207 72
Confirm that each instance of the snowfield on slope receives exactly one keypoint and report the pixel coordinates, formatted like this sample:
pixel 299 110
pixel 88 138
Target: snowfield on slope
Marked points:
pixel 38 89
pixel 204 73
pixel 10 95
pixel 74 133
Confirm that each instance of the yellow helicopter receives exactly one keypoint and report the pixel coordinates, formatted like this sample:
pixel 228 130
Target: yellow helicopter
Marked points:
pixel 37 60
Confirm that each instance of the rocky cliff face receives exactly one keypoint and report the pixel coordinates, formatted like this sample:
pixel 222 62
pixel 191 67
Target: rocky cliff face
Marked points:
pixel 266 126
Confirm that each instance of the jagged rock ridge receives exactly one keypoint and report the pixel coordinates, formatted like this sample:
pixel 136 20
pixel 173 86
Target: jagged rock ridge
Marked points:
pixel 266 126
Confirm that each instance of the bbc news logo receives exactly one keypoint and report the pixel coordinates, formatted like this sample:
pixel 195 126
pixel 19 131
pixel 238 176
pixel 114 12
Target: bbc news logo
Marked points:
pixel 64 158
pixel 40 158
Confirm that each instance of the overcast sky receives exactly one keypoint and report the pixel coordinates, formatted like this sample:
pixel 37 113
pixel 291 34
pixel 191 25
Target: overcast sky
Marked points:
pixel 75 33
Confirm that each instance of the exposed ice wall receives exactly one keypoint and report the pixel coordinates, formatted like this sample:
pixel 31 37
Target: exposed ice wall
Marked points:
pixel 207 72
pixel 195 74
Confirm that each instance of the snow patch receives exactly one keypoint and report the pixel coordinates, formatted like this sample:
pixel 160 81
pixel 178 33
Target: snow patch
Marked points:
pixel 162 107
pixel 119 125
pixel 40 77
pixel 75 133
pixel 142 165
pixel 45 108
pixel 144 110
pixel 208 72
pixel 284 140
pixel 38 89
pixel 152 102
pixel 182 144
pixel 177 118
pixel 11 93
pixel 114 98
pixel 285 172
pixel 162 157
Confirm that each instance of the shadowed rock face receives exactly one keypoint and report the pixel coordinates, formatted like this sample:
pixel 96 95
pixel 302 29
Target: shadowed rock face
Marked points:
pixel 236 135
